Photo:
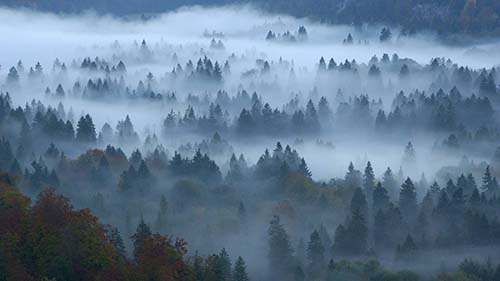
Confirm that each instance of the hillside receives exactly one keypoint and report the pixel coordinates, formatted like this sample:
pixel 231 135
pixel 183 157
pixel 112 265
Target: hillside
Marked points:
pixel 473 17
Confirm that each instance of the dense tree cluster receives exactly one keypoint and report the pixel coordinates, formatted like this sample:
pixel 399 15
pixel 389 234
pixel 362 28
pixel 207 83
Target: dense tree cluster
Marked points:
pixel 53 241
pixel 471 17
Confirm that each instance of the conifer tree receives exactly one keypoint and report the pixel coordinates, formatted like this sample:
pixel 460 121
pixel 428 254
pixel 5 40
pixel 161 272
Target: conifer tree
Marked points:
pixel 117 241
pixel 280 250
pixel 380 198
pixel 141 234
pixel 240 270
pixel 369 181
pixel 225 265
pixel 315 255
pixel 303 169
pixel 85 131
pixel 408 201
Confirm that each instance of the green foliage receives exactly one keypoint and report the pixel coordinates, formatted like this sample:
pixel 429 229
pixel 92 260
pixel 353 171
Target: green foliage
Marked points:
pixel 85 131
pixel 315 256
pixel 280 249
pixel 240 270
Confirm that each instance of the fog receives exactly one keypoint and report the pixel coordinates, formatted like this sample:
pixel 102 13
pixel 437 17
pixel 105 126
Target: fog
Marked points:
pixel 37 37
pixel 43 37
pixel 113 68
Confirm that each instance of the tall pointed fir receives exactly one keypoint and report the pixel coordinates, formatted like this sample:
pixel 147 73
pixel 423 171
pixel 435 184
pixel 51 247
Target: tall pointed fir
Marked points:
pixel 240 270
pixel 315 256
pixel 280 250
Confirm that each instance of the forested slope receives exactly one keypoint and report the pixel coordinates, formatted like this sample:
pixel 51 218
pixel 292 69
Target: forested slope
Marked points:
pixel 475 17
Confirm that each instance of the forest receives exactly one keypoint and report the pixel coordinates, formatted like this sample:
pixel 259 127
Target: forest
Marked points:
pixel 476 18
pixel 227 144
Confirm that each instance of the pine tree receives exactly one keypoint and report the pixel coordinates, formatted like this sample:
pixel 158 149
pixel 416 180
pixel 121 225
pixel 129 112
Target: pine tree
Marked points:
pixel 240 270
pixel 340 240
pixel 141 233
pixel 330 273
pixel 475 199
pixel 270 35
pixel 408 201
pixel 358 202
pixel 322 65
pixel 198 269
pixel 353 177
pixel 60 91
pixel 225 265
pixel 85 131
pixel 235 174
pixel 280 250
pixel 389 183
pixel 213 270
pixel 303 169
pixel 369 181
pixel 463 184
pixel 357 233
pixel 13 76
pixel 380 198
pixel 311 118
pixel 144 178
pixel 135 158
pixel 324 111
pixel 409 154
pixel 302 34
pixel 450 186
pixel 315 255
pixel 217 73
pixel 245 123
pixel 490 185
pixel 404 72
pixel 407 250
pixel 385 34
pixel 117 241
pixel 380 231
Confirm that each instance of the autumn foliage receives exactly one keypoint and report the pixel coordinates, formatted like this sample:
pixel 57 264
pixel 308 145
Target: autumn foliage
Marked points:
pixel 50 240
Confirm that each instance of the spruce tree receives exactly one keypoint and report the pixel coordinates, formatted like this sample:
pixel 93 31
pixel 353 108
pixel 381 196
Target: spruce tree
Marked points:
pixel 359 203
pixel 280 250
pixel 490 185
pixel 390 184
pixel 303 169
pixel 315 255
pixel 240 270
pixel 85 131
pixel 12 76
pixel 141 233
pixel 353 177
pixel 408 201
pixel 369 182
pixel 117 241
pixel 330 272
pixel 409 156
pixel 380 198
pixel 225 265
pixel 357 233
pixel 407 250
